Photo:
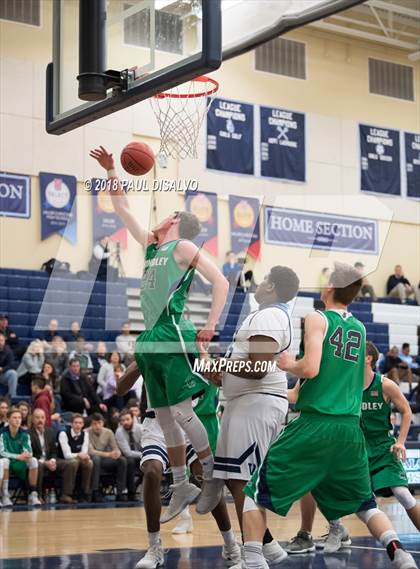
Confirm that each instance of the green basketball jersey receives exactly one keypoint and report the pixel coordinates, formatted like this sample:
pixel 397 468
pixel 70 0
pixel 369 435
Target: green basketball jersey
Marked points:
pixel 207 403
pixel 338 387
pixel 164 285
pixel 376 413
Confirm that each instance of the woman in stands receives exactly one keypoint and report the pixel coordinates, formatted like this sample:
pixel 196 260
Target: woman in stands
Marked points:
pixel 26 412
pixel 57 356
pixel 31 363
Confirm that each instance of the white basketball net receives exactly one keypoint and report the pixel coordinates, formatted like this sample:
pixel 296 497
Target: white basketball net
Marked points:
pixel 180 112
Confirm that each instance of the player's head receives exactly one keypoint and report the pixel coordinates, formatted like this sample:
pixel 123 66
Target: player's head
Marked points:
pixel 280 285
pixel 344 285
pixel 181 224
pixel 372 355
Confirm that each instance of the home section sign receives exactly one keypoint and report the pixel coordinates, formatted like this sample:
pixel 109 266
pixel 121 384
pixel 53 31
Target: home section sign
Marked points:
pixel 15 195
pixel 380 160
pixel 230 137
pixel 315 230
pixel 282 144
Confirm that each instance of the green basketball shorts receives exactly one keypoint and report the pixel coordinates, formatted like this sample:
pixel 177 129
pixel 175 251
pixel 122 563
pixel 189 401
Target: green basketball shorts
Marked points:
pixel 211 424
pixel 18 468
pixel 385 469
pixel 321 454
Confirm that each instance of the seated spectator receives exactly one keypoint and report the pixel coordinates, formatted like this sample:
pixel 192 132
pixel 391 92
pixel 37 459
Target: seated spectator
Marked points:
pixel 4 409
pixel 367 289
pixel 26 413
pixel 77 393
pixel 15 445
pixel 43 441
pixel 48 336
pixel 56 354
pixel 106 457
pixel 134 408
pixel 128 438
pixel 74 332
pixel 248 277
pixel 99 357
pixel 31 363
pixel 101 254
pixel 125 341
pixel 106 377
pixel 405 357
pixel 82 354
pixel 11 338
pixel 398 286
pixel 8 364
pixel 231 269
pixel 324 278
pixel 394 368
pixel 42 398
pixel 73 445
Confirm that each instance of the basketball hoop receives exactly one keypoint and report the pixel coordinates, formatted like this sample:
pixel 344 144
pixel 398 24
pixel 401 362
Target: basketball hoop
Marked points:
pixel 180 112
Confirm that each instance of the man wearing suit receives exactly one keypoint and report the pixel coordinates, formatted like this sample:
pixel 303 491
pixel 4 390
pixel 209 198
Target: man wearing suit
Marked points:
pixel 77 393
pixel 43 440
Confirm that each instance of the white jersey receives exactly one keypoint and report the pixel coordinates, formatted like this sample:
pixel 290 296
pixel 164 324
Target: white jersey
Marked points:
pixel 272 321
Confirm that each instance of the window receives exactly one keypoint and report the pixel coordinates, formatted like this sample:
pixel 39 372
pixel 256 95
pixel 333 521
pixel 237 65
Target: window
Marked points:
pixel 168 30
pixel 22 11
pixel 283 57
pixel 391 79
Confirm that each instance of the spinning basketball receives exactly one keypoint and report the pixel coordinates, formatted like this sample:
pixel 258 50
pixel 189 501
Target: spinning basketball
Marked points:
pixel 137 158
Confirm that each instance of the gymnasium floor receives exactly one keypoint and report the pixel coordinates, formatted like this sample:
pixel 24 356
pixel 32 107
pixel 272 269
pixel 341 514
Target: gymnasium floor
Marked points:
pixel 115 537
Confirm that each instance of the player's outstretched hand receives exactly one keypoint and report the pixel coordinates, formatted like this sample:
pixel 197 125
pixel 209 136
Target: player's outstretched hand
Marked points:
pixel 399 451
pixel 104 158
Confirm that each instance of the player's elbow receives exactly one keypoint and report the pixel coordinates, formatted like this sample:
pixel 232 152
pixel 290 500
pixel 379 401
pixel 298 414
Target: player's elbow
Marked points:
pixel 311 371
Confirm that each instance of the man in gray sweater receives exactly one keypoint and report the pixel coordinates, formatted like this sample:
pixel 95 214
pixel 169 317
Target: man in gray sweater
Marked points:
pixel 106 457
pixel 128 437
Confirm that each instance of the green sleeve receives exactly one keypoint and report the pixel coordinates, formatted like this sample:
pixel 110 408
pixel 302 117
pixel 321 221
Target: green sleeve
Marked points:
pixel 27 443
pixel 5 447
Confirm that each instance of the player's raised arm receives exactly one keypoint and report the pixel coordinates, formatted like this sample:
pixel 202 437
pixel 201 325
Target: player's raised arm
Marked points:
pixel 119 198
pixel 308 366
pixel 190 255
pixel 393 393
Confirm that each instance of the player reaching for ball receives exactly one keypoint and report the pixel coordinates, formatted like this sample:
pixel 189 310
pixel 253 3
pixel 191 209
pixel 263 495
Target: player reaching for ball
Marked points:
pixel 166 350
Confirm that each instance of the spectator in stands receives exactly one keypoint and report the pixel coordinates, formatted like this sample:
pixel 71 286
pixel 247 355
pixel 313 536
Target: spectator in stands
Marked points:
pixel 82 354
pixel 106 457
pixel 394 368
pixel 231 269
pixel 42 398
pixel 99 357
pixel 74 332
pixel 398 286
pixel 128 438
pixel 43 441
pixel 73 445
pixel 324 277
pixel 98 264
pixel 125 341
pixel 15 445
pixel 367 289
pixel 11 337
pixel 31 363
pixel 107 380
pixel 57 356
pixel 8 374
pixel 4 409
pixel 134 408
pixel 405 357
pixel 77 393
pixel 26 413
pixel 49 334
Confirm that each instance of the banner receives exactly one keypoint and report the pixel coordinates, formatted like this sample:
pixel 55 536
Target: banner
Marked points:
pixel 106 222
pixel 58 194
pixel 315 230
pixel 204 206
pixel 15 195
pixel 412 164
pixel 230 137
pixel 245 225
pixel 282 137
pixel 380 160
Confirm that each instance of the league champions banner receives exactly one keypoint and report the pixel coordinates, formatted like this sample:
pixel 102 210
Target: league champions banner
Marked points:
pixel 15 195
pixel 315 230
pixel 244 216
pixel 204 206
pixel 58 206
pixel 282 141
pixel 412 164
pixel 380 160
pixel 106 222
pixel 230 137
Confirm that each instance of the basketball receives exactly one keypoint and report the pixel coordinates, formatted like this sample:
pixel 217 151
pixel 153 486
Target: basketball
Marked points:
pixel 137 158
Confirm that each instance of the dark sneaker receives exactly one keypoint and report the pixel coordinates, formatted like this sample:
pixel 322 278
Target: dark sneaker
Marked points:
pixel 301 543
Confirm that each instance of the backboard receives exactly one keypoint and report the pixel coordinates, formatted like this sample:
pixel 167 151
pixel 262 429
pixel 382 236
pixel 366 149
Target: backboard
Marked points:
pixel 110 54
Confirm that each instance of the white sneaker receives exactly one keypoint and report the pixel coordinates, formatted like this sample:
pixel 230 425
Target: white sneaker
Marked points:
pixel 33 499
pixel 211 494
pixel 273 552
pixel 403 560
pixel 185 523
pixel 232 554
pixel 154 558
pixel 7 502
pixel 337 538
pixel 182 496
